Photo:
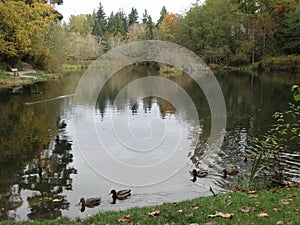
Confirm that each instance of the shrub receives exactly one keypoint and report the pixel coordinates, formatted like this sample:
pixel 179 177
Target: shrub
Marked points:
pixel 281 142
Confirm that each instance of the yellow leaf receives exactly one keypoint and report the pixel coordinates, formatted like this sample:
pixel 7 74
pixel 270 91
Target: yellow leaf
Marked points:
pixel 125 218
pixel 284 202
pixel 154 213
pixel 252 192
pixel 246 209
pixel 189 214
pixel 263 214
pixel 223 215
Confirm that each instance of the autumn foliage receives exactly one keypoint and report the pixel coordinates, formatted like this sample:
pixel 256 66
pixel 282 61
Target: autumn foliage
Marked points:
pixel 23 30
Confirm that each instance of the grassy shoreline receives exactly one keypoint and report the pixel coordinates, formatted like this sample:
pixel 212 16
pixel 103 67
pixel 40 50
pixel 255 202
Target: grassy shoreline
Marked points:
pixel 272 64
pixel 289 63
pixel 274 206
pixel 7 80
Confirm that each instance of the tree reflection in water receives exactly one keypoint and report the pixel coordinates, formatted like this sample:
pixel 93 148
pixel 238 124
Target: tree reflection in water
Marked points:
pixel 48 175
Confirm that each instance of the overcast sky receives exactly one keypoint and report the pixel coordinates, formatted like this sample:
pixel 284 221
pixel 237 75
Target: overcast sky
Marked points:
pixel 76 7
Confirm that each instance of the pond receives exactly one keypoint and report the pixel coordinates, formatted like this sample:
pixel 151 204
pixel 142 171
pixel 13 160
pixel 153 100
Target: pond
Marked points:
pixel 54 150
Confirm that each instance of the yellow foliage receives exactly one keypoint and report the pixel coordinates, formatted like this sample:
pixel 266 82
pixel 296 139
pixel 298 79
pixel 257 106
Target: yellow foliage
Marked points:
pixel 169 26
pixel 136 32
pixel 23 26
pixel 170 20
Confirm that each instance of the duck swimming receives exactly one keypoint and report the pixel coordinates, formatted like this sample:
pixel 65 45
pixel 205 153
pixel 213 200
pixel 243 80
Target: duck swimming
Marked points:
pixel 89 202
pixel 120 195
pixel 199 173
pixel 231 171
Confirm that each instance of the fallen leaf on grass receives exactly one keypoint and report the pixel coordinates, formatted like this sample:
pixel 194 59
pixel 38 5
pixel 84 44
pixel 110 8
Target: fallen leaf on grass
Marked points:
pixel 180 210
pixel 223 215
pixel 284 202
pixel 252 192
pixel 279 222
pixel 246 209
pixel 253 196
pixel 189 214
pixel 229 202
pixel 277 209
pixel 195 207
pixel 154 213
pixel 124 218
pixel 263 214
pixel 210 223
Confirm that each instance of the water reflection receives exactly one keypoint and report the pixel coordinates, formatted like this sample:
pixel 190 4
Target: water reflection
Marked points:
pixel 250 108
pixel 46 176
pixel 35 167
pixel 43 174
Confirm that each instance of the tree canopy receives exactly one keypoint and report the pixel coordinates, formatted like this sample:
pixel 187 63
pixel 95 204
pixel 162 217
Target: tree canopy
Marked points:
pixel 24 26
pixel 221 31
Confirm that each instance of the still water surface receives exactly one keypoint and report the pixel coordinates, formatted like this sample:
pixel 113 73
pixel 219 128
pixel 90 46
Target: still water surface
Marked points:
pixel 44 170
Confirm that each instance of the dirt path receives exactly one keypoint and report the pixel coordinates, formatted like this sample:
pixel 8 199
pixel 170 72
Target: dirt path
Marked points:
pixel 26 68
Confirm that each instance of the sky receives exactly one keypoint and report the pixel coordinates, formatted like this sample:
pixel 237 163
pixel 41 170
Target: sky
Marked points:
pixel 76 7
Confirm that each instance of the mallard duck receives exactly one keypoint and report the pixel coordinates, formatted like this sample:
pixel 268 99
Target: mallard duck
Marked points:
pixel 89 202
pixel 249 156
pixel 62 125
pixel 120 195
pixel 231 171
pixel 199 173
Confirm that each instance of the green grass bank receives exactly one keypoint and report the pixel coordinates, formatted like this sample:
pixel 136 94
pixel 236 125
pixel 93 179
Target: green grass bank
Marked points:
pixel 290 63
pixel 7 80
pixel 275 206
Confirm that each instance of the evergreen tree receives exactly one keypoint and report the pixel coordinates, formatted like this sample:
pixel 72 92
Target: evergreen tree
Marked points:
pixel 99 28
pixel 110 23
pixel 149 28
pixel 124 20
pixel 291 32
pixel 145 16
pixel 163 12
pixel 117 24
pixel 133 17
